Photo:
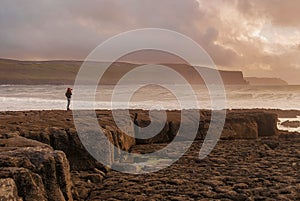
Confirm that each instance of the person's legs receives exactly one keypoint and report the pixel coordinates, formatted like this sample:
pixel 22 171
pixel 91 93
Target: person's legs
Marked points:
pixel 69 101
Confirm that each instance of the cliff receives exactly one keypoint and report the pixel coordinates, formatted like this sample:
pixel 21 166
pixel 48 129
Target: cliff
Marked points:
pixel 64 72
pixel 265 81
pixel 233 77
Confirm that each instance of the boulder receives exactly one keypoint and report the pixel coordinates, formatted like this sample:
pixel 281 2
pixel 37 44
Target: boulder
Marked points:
pixel 266 122
pixel 238 125
pixel 39 172
pixel 68 141
pixel 29 184
pixel 240 129
pixel 244 125
pixel 8 190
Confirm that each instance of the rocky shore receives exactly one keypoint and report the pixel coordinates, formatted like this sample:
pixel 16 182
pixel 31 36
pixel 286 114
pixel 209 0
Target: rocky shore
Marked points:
pixel 42 158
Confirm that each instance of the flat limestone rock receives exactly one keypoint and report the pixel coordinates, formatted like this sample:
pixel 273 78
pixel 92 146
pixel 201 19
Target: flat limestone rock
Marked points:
pixel 39 148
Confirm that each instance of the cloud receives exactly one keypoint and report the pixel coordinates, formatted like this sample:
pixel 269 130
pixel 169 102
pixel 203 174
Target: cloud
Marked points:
pixel 258 37
pixel 282 13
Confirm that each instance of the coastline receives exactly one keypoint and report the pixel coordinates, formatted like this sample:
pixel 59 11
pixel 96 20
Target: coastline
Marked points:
pixel 282 113
pixel 39 148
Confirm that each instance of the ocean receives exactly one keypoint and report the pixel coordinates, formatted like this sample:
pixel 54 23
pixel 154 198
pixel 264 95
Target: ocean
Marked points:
pixel 52 97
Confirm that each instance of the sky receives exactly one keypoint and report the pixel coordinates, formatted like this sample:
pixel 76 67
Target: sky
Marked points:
pixel 259 37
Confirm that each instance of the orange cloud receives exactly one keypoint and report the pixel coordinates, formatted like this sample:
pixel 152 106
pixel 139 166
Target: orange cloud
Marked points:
pixel 260 37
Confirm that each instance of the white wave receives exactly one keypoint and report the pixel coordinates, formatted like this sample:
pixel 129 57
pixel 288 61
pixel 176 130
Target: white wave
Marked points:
pixel 37 97
pixel 285 128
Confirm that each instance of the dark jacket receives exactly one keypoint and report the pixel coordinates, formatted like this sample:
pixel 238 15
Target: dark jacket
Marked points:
pixel 68 94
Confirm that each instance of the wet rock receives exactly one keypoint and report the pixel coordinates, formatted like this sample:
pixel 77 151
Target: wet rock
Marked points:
pixel 291 124
pixel 125 167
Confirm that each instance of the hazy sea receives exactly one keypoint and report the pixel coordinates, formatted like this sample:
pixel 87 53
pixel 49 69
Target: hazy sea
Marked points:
pixel 51 97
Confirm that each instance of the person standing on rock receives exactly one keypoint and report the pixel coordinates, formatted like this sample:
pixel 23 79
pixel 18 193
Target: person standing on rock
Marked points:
pixel 136 123
pixel 68 95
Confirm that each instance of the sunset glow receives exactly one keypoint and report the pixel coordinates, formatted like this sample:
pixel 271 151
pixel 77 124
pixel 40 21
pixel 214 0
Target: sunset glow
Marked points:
pixel 261 38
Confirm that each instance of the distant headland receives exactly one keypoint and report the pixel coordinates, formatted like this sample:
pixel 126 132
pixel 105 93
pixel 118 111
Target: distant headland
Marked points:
pixel 265 81
pixel 60 72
